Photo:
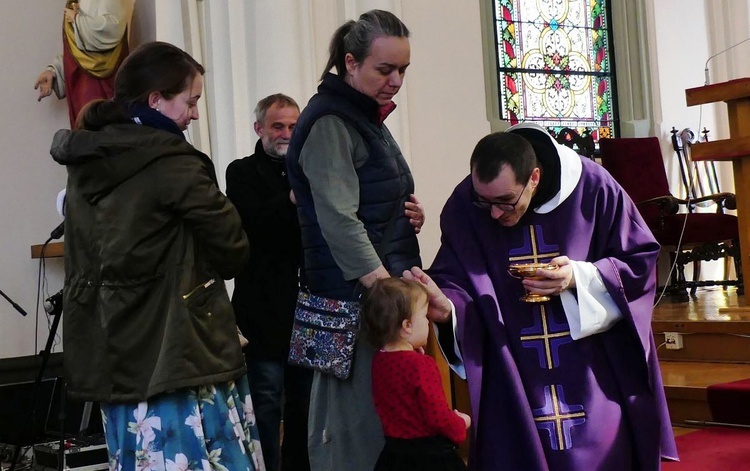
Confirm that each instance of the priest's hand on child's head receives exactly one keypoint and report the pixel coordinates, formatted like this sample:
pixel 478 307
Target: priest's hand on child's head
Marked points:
pixel 440 308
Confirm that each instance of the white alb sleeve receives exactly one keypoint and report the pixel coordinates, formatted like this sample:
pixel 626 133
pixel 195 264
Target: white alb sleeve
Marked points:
pixel 593 310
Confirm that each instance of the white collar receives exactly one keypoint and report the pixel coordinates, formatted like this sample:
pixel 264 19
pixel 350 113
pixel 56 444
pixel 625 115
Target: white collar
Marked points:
pixel 571 168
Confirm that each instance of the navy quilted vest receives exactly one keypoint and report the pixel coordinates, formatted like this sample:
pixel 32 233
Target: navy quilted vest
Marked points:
pixel 385 185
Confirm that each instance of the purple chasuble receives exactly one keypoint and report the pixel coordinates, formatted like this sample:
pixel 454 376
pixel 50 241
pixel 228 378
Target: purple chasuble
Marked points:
pixel 541 400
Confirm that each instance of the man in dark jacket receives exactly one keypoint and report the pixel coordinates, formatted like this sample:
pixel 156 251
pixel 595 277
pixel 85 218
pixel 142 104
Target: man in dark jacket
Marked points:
pixel 265 293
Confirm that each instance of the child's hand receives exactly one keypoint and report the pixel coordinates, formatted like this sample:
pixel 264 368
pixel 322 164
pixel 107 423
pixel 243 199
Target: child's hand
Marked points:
pixel 419 350
pixel 467 419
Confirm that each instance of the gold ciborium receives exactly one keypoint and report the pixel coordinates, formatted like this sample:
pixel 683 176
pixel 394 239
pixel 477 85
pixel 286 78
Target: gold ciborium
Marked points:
pixel 528 270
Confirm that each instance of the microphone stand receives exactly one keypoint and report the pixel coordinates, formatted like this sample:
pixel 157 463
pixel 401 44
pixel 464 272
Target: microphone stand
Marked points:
pixel 16 306
pixel 56 312
pixel 17 451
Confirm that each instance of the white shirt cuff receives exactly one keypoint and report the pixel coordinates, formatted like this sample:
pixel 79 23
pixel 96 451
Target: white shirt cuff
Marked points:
pixel 593 310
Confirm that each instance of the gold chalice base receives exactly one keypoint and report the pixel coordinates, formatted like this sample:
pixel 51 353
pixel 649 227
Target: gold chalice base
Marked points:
pixel 534 298
pixel 528 270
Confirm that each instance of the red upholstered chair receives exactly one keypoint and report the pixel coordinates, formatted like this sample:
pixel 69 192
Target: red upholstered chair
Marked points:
pixel 637 164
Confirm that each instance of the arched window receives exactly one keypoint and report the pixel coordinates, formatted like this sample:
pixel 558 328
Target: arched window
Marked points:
pixel 555 64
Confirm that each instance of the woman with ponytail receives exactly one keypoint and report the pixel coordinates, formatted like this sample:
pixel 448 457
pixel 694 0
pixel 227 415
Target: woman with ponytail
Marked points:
pixel 358 215
pixel 149 238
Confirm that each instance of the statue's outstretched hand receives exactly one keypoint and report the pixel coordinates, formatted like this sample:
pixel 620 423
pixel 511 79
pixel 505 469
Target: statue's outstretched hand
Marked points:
pixel 44 84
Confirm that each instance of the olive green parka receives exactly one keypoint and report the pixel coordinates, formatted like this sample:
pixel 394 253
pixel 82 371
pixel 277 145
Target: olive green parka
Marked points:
pixel 149 238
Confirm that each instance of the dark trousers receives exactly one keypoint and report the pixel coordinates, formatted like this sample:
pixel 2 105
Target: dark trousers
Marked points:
pixel 419 454
pixel 280 390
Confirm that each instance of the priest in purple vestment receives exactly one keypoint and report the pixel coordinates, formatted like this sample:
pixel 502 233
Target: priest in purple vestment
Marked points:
pixel 568 384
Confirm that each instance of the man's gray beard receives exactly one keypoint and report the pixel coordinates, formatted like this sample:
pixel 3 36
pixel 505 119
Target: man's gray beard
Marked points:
pixel 281 153
pixel 274 153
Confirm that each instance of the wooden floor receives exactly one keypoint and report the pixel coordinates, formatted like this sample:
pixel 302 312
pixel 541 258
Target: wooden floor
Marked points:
pixel 714 310
pixel 683 430
pixel 701 375
pixel 705 306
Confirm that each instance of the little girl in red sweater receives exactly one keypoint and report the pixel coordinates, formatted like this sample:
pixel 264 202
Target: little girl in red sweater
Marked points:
pixel 421 431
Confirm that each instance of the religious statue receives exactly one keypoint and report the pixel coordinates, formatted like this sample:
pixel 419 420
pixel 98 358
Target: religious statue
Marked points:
pixel 95 42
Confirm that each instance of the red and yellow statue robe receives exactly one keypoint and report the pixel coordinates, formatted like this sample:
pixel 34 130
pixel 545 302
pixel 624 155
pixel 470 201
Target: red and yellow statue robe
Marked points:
pixel 94 46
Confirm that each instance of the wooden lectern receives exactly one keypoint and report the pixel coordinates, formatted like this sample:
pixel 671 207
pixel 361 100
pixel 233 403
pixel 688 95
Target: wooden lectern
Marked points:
pixel 736 94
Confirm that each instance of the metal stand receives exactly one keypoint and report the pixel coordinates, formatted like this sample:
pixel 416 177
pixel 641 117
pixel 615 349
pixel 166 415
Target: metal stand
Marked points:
pixel 55 311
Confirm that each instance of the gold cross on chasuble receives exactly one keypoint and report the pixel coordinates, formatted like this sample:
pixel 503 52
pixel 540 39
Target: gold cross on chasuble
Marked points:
pixel 557 417
pixel 546 336
pixel 534 249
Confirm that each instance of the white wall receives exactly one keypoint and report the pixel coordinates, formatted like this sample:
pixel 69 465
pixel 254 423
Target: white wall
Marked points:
pixel 680 50
pixel 447 113
pixel 687 33
pixel 29 179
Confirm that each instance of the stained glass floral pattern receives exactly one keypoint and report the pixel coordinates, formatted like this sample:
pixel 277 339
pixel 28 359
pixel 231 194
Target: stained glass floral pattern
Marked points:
pixel 554 64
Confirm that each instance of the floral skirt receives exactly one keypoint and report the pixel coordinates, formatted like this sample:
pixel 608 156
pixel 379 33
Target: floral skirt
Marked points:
pixel 204 428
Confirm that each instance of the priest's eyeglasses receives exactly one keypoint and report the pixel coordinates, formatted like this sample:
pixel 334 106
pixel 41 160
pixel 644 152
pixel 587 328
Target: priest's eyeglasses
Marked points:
pixel 504 207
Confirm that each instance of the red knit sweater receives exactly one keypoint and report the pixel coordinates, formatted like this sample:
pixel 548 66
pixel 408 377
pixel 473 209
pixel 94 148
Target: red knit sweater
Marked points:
pixel 409 397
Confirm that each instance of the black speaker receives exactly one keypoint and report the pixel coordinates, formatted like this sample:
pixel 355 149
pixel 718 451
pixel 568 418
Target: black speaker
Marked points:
pixel 23 420
pixel 80 418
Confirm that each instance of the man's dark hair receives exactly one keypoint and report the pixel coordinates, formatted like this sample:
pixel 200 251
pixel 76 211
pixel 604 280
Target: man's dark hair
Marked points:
pixel 495 150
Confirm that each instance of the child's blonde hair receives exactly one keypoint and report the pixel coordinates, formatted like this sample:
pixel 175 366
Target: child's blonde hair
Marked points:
pixel 386 305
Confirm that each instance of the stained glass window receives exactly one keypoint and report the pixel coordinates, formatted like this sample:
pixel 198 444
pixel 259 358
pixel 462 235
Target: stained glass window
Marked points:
pixel 555 64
